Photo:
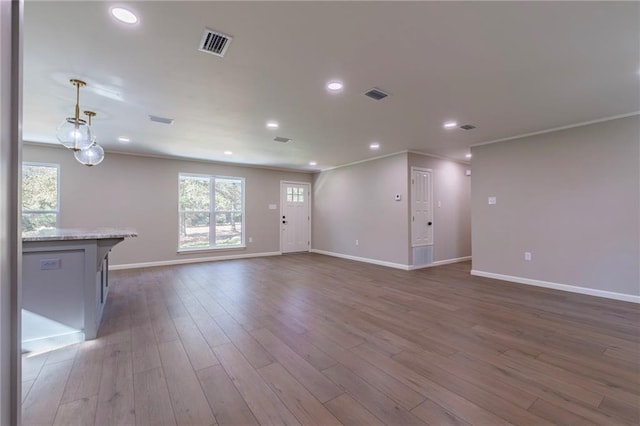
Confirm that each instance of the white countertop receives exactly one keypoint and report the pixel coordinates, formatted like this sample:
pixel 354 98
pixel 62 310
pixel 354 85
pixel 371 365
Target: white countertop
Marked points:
pixel 66 234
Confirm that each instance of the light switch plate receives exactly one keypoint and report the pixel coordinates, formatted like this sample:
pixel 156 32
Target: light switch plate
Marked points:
pixel 272 206
pixel 492 200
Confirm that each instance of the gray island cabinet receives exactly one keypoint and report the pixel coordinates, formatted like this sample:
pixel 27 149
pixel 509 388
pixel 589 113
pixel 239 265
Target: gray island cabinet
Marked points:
pixel 65 281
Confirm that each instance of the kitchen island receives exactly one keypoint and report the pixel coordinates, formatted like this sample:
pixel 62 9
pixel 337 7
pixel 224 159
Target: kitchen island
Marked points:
pixel 65 282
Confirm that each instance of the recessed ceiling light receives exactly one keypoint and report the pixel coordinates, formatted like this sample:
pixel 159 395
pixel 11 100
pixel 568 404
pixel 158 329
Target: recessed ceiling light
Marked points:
pixel 124 15
pixel 374 145
pixel 123 139
pixel 313 163
pixel 334 86
pixel 272 125
pixel 228 153
pixel 450 124
pixel 468 155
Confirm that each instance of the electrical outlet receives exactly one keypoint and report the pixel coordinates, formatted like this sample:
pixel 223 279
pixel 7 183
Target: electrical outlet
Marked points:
pixel 250 239
pixel 47 264
pixel 527 256
pixel 357 242
pixel 492 200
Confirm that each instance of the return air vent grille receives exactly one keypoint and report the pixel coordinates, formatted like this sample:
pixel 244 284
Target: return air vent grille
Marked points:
pixel 214 42
pixel 376 94
pixel 281 139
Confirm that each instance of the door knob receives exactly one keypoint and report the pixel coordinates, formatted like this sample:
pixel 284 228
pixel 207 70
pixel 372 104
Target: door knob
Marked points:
pixel 429 223
pixel 284 221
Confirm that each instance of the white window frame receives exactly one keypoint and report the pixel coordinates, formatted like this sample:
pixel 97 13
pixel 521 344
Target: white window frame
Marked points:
pixel 212 213
pixel 57 211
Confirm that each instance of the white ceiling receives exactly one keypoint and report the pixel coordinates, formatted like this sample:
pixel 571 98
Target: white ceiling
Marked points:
pixel 507 67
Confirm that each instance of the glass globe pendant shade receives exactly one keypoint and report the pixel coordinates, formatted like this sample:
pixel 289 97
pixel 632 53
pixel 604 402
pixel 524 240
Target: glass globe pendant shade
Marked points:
pixel 91 156
pixel 75 134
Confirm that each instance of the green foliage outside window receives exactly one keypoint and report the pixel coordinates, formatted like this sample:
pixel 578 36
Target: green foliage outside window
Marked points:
pixel 39 196
pixel 211 211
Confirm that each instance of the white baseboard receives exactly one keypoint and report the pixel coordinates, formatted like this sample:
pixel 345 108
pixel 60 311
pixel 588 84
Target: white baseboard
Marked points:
pixel 362 259
pixel 556 286
pixel 440 263
pixel 191 260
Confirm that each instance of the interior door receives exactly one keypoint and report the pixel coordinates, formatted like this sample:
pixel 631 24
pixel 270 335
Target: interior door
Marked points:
pixel 421 208
pixel 295 217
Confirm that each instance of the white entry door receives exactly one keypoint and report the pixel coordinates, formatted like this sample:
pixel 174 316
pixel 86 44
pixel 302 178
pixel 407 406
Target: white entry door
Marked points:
pixel 421 208
pixel 295 217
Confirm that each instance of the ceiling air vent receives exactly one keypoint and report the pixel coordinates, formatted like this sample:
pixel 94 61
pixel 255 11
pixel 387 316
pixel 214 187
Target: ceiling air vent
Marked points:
pixel 163 120
pixel 281 139
pixel 467 126
pixel 376 94
pixel 214 42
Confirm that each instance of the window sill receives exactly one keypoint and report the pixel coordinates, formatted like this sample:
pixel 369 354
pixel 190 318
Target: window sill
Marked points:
pixel 210 249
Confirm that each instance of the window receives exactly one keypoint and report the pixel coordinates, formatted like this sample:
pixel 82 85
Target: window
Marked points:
pixel 211 210
pixel 40 196
pixel 295 195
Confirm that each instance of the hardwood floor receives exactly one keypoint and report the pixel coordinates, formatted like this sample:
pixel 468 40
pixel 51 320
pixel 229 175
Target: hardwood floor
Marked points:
pixel 310 339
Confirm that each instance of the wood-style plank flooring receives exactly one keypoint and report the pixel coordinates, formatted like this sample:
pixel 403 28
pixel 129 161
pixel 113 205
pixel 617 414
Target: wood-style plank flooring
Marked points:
pixel 310 339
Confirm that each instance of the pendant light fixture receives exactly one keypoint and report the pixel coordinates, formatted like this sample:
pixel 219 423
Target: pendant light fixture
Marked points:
pixel 74 132
pixel 93 155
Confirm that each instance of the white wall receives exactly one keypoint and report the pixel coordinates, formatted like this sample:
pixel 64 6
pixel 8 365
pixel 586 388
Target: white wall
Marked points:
pixel 142 192
pixel 452 220
pixel 571 198
pixel 357 203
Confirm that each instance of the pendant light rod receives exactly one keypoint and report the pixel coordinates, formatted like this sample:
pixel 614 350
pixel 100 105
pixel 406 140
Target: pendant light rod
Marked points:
pixel 78 84
pixel 89 114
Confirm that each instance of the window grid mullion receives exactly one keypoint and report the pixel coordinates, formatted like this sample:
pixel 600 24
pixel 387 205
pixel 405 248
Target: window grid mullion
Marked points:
pixel 41 211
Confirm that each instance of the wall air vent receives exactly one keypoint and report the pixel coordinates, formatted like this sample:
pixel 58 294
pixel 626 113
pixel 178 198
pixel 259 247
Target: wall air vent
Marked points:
pixel 214 42
pixel 281 139
pixel 467 126
pixel 376 94
pixel 158 119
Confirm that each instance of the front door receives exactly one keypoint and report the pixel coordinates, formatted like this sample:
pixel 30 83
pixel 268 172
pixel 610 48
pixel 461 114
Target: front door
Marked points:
pixel 295 217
